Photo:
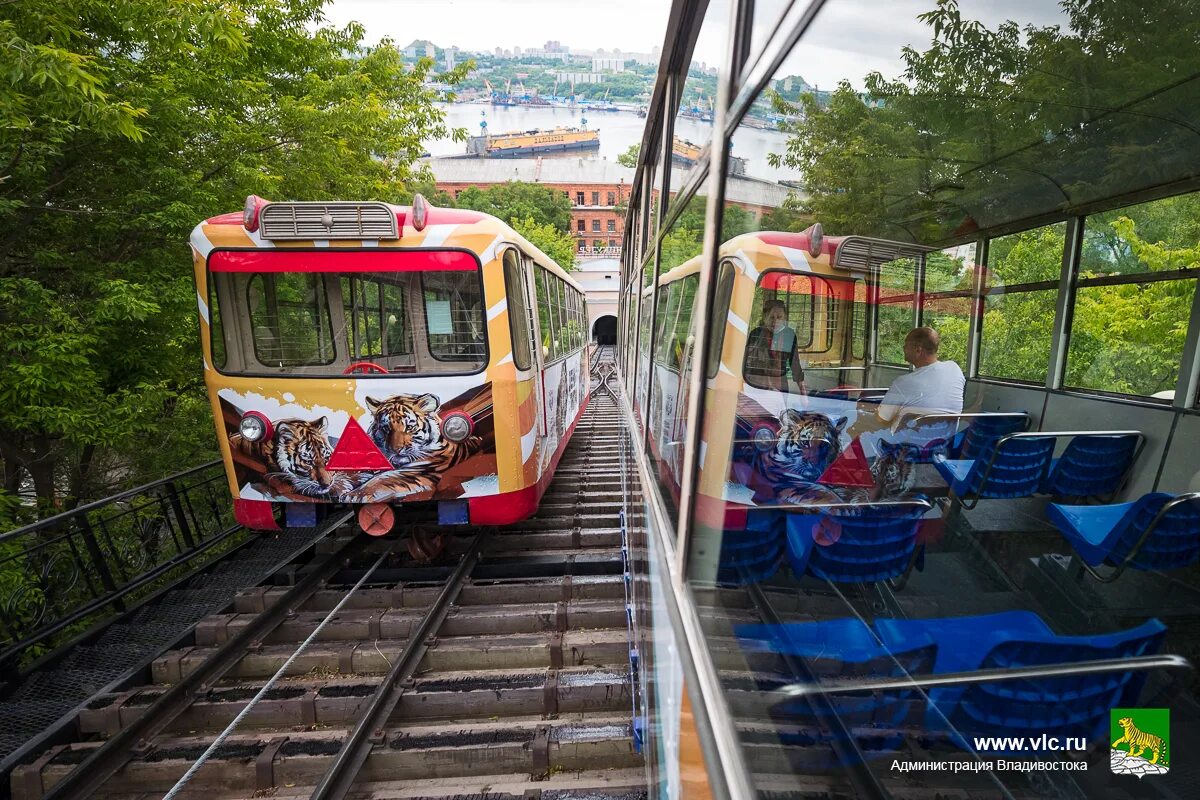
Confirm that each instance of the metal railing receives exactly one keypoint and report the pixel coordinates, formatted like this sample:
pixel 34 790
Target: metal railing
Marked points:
pixel 61 574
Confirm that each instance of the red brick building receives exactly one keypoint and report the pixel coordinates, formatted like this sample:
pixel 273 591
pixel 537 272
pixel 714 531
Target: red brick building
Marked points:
pixel 598 190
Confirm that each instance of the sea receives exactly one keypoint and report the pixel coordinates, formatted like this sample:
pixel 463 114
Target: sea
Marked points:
pixel 618 130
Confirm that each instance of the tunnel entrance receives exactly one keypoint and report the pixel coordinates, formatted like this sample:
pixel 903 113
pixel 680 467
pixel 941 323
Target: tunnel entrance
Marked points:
pixel 605 330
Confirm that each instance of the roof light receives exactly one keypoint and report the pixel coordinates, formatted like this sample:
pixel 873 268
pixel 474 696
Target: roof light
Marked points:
pixel 420 211
pixel 816 236
pixel 254 204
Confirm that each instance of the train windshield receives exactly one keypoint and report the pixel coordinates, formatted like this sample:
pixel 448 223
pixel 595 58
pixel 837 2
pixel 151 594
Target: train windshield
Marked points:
pixel 405 313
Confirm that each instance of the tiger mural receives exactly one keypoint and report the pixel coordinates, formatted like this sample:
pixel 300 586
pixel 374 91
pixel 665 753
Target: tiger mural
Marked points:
pixel 892 471
pixel 293 459
pixel 408 431
pixel 807 443
pixel 1140 741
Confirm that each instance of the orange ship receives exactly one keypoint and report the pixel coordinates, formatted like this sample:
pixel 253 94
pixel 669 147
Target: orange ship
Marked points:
pixel 535 142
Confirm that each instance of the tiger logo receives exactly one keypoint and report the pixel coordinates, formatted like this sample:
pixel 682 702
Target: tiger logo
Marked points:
pixel 408 431
pixel 806 445
pixel 1138 742
pixel 295 456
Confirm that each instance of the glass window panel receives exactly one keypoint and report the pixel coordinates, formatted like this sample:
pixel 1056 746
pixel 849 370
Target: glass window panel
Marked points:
pixel 216 329
pixel 783 318
pixel 694 115
pixel 1027 257
pixel 518 312
pixel 684 317
pixel 896 310
pixel 1129 339
pixel 543 305
pixel 862 315
pixel 1016 335
pixel 668 306
pixel 885 121
pixel 454 317
pixel 724 291
pixel 289 319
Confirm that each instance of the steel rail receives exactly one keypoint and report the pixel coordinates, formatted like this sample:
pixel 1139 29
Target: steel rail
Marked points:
pixel 279 673
pixel 103 763
pixel 369 729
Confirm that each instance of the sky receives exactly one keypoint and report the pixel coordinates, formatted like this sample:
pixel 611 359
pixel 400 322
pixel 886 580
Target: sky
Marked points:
pixel 634 26
pixel 848 39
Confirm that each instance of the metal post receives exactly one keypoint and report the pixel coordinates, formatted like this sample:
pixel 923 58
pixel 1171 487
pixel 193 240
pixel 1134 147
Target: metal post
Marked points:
pixel 180 517
pixel 1064 304
pixel 1189 370
pixel 978 287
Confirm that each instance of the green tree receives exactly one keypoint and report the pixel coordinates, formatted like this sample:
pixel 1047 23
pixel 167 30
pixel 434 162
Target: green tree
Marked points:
pixel 549 239
pixel 121 126
pixel 630 157
pixel 520 200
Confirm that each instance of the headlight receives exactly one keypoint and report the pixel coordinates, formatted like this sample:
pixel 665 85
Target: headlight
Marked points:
pixel 764 438
pixel 254 427
pixel 457 426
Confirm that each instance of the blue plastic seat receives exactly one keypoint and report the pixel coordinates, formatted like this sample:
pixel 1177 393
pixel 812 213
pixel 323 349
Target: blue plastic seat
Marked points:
pixel 1093 466
pixel 748 557
pixel 1072 705
pixel 1157 532
pixel 1014 466
pixel 939 434
pixel 860 543
pixel 838 649
pixel 987 429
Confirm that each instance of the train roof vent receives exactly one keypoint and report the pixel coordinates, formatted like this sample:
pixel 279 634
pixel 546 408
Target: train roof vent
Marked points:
pixel 861 252
pixel 338 220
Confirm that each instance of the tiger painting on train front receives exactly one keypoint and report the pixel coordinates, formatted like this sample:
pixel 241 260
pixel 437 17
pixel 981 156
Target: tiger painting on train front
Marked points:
pixel 412 455
pixel 408 431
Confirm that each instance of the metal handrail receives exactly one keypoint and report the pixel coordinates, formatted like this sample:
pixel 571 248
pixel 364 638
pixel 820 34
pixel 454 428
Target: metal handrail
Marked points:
pixel 1132 664
pixel 58 519
pixel 80 564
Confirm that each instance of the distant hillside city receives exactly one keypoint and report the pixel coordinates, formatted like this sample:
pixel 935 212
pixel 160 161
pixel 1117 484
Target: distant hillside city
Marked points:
pixel 555 73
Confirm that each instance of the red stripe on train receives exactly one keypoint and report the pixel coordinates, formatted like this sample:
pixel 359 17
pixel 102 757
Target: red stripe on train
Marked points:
pixel 342 261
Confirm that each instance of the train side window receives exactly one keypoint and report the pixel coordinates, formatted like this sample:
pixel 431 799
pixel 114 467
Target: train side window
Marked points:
pixel 858 323
pixel 215 329
pixel 683 319
pixel 554 297
pixel 518 312
pixel 668 304
pixel 543 305
pixel 720 315
pixel 289 319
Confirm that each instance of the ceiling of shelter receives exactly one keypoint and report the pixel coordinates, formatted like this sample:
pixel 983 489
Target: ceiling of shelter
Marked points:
pixel 991 125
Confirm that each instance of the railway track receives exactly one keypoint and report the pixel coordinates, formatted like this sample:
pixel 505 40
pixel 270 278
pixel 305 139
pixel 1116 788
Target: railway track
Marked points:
pixel 503 669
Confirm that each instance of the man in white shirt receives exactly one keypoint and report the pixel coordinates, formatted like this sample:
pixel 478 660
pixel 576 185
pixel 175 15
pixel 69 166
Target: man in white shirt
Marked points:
pixel 934 387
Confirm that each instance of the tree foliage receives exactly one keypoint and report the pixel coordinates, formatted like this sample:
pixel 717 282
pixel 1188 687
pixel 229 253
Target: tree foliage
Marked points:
pixel 519 200
pixel 121 126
